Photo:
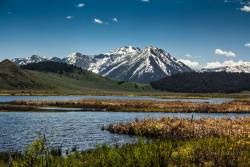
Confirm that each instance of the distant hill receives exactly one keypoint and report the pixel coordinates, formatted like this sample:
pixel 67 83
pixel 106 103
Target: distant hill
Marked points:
pixel 13 77
pixel 50 77
pixel 204 82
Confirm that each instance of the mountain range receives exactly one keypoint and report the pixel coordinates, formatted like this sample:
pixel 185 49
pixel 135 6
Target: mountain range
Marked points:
pixel 124 64
pixel 132 64
pixel 236 68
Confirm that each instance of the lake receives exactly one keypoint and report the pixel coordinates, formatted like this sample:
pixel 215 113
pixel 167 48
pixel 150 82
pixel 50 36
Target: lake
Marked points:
pixel 69 129
pixel 59 98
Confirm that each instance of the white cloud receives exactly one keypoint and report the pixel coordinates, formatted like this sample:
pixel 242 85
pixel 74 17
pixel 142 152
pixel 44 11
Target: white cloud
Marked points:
pixel 80 5
pixel 69 17
pixel 98 21
pixel 226 63
pixel 190 63
pixel 247 45
pixel 221 52
pixel 145 0
pixel 115 19
pixel 245 8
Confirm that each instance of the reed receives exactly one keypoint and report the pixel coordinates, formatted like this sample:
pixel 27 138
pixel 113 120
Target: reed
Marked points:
pixel 185 129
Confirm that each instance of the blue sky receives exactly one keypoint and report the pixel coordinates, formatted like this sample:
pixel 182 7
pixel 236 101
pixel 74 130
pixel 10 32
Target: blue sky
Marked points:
pixel 198 31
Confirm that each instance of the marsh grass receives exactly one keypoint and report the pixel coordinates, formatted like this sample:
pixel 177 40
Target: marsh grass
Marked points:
pixel 185 129
pixel 144 106
pixel 217 152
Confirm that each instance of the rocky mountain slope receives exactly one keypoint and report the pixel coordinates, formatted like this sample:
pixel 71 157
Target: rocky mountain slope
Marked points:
pixel 134 64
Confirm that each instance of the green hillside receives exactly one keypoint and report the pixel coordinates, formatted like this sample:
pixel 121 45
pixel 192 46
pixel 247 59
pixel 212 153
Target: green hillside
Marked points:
pixel 52 77
pixel 13 77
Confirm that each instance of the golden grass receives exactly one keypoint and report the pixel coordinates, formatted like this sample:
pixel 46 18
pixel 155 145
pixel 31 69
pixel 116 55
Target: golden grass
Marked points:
pixel 175 128
pixel 145 106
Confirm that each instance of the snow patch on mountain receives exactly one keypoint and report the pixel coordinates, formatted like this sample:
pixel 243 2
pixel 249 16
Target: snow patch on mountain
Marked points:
pixel 78 60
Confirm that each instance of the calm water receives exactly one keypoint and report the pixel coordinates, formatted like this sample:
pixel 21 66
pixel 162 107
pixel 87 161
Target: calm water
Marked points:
pixel 69 129
pixel 18 98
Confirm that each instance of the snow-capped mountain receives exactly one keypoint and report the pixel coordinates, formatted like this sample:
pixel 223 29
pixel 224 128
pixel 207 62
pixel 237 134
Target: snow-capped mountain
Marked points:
pixel 134 64
pixel 126 64
pixel 104 62
pixel 78 60
pixel 243 67
pixel 28 60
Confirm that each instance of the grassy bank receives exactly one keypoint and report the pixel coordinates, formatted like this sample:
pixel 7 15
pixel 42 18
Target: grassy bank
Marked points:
pixel 242 106
pixel 217 152
pixel 185 129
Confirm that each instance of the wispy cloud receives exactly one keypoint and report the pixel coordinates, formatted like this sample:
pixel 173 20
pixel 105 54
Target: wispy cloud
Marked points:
pixel 115 20
pixel 98 21
pixel 69 17
pixel 80 5
pixel 221 52
pixel 247 45
pixel 245 8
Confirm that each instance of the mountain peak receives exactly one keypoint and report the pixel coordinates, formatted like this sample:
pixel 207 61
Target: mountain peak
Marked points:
pixel 154 51
pixel 78 59
pixel 36 57
pixel 150 47
pixel 75 54
pixel 125 50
